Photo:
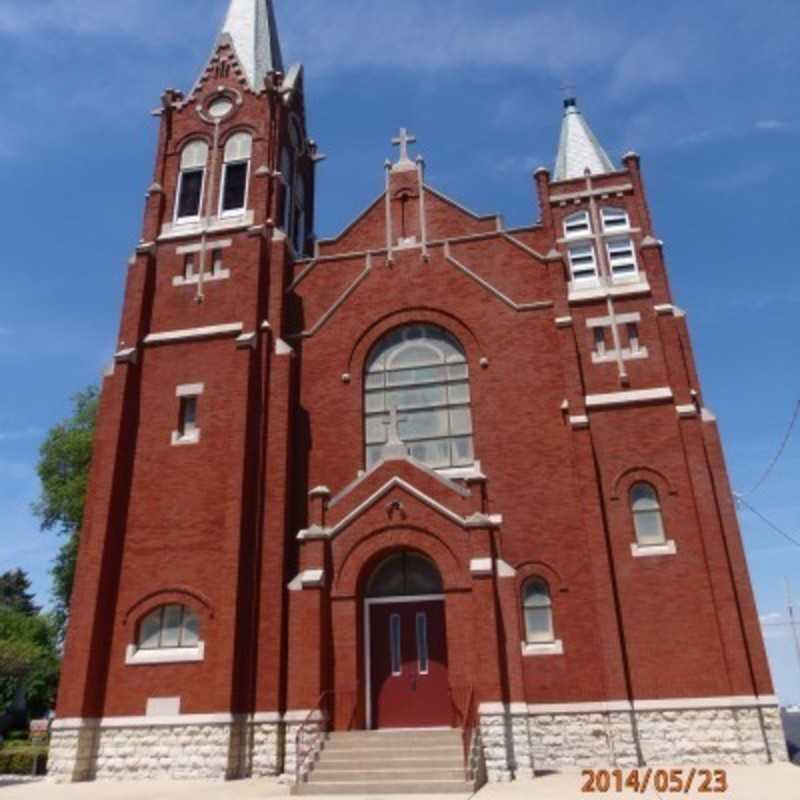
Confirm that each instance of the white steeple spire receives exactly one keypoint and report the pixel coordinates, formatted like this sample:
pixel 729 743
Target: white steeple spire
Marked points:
pixel 579 149
pixel 251 26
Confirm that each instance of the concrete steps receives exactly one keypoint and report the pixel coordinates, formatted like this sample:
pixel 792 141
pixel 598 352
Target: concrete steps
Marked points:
pixel 389 763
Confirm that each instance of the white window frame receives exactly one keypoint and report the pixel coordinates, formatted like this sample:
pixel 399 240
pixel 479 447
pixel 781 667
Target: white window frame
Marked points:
pixel 630 275
pixel 192 391
pixel 183 170
pixel 235 212
pixel 586 229
pixel 640 549
pixel 615 213
pixel 396 644
pixel 541 647
pixel 136 655
pixel 584 280
pixel 422 617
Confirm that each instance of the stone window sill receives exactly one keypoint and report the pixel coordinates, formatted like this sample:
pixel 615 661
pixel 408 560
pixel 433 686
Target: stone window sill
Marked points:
pixel 190 438
pixel 192 228
pixel 669 548
pixel 555 648
pixel 208 277
pixel 581 293
pixel 176 655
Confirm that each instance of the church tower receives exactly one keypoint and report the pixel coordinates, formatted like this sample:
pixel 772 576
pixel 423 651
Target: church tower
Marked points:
pixel 189 481
pixel 432 473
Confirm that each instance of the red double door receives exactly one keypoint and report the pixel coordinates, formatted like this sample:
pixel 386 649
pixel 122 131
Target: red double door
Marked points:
pixel 408 665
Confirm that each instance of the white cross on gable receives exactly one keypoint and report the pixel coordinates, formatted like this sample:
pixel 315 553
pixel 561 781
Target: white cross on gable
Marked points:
pixel 403 141
pixel 393 425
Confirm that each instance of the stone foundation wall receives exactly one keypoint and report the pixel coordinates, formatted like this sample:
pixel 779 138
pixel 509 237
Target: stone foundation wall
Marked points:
pixel 210 751
pixel 517 744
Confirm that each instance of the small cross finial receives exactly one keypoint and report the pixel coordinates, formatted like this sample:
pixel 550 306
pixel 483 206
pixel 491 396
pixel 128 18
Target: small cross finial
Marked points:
pixel 403 141
pixel 568 93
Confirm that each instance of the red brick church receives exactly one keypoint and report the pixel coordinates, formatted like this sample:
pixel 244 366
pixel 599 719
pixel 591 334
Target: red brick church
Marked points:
pixel 434 474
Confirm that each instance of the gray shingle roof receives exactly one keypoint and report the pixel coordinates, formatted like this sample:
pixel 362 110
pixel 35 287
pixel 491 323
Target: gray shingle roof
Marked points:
pixel 579 149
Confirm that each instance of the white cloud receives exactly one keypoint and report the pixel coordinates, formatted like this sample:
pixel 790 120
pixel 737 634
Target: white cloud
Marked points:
pixel 770 125
pixel 563 41
pixel 754 299
pixel 697 137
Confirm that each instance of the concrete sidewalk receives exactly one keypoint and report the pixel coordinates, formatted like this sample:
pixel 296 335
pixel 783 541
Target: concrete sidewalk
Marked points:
pixel 779 782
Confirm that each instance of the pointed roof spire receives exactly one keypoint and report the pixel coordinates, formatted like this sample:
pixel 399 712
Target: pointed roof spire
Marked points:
pixel 579 149
pixel 252 28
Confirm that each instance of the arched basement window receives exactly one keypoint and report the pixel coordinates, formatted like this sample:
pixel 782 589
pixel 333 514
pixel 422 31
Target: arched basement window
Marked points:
pixel 405 574
pixel 422 371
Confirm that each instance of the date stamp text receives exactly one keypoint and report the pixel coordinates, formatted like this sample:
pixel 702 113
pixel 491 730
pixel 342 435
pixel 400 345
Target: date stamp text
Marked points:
pixel 663 781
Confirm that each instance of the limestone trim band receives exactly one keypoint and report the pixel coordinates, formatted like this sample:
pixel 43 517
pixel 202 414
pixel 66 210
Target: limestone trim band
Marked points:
pixel 183 720
pixel 682 704
pixel 628 398
pixel 195 333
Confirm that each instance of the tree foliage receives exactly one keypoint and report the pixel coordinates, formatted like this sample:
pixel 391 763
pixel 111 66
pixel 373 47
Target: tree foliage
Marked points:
pixel 28 657
pixel 15 592
pixel 64 461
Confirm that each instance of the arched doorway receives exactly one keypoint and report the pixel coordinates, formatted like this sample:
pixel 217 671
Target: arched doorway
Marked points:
pixel 406 645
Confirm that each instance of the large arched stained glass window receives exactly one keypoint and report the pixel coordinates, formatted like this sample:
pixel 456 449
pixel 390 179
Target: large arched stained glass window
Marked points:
pixel 422 371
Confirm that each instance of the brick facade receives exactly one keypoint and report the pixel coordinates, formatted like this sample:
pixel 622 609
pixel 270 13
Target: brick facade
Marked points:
pixel 228 527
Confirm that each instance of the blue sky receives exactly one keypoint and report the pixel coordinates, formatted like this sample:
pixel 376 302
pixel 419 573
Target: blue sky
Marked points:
pixel 707 93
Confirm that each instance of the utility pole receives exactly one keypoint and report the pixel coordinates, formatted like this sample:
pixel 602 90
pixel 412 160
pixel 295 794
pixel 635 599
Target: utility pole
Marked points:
pixel 793 622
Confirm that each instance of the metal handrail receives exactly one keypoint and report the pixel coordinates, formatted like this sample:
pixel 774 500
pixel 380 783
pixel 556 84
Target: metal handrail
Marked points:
pixel 317 723
pixel 300 753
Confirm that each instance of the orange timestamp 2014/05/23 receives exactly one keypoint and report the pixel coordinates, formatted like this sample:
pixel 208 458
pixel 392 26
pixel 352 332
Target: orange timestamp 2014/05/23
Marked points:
pixel 664 781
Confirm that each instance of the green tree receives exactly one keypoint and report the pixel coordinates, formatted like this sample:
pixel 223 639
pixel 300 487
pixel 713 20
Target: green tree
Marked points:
pixel 64 461
pixel 28 659
pixel 15 592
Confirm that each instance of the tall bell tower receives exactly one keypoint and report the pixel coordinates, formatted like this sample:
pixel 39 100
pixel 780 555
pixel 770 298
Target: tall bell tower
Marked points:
pixel 187 505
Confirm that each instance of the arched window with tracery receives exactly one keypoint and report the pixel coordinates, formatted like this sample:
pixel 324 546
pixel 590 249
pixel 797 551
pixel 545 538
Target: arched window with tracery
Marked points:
pixel 420 370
